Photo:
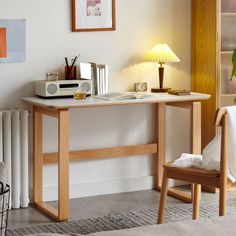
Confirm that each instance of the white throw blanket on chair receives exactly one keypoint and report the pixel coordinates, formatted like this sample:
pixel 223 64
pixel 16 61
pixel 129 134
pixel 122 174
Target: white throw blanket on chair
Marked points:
pixel 210 160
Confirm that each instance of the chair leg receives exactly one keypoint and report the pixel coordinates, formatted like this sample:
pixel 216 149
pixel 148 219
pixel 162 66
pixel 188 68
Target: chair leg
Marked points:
pixel 222 209
pixel 162 203
pixel 196 200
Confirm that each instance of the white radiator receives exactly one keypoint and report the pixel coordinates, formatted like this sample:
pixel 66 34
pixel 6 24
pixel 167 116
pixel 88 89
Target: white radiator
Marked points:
pixel 14 152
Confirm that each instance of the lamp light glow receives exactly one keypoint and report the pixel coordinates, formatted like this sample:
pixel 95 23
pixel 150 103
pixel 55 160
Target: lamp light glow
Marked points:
pixel 161 54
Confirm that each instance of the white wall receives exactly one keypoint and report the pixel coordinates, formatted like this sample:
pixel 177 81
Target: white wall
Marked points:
pixel 140 24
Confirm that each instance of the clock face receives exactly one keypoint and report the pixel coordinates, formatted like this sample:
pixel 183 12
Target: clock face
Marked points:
pixel 140 87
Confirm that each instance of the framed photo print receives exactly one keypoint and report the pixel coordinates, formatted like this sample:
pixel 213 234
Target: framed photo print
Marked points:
pixel 93 15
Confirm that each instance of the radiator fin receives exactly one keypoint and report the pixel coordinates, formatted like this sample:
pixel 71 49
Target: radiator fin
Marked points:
pixel 14 152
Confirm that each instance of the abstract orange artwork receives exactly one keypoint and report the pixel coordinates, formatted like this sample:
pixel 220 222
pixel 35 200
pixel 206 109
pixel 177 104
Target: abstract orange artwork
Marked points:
pixel 3 43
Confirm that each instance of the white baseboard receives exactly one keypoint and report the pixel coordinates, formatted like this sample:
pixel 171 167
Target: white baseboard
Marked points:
pixel 78 190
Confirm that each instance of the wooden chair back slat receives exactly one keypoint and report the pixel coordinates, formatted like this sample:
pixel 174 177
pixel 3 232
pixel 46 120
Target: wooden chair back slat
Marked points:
pixel 219 115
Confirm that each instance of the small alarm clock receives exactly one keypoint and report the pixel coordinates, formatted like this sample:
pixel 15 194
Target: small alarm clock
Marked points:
pixel 140 87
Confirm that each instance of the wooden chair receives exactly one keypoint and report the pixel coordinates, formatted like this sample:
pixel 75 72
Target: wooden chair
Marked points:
pixel 198 177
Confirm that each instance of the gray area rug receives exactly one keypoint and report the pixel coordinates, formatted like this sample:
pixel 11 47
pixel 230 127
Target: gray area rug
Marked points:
pixel 126 220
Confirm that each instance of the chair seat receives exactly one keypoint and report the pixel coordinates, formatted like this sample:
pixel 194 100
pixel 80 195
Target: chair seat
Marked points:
pixel 192 171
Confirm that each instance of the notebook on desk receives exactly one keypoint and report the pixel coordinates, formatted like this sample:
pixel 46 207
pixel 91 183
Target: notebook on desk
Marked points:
pixel 179 92
pixel 124 96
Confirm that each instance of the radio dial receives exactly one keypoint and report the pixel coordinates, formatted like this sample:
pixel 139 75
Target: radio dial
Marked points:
pixel 85 86
pixel 52 88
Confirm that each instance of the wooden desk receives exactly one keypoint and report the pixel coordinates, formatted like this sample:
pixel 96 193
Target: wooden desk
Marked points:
pixel 59 108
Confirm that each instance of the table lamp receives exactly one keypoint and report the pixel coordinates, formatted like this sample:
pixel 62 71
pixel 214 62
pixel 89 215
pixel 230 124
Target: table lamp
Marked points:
pixel 161 54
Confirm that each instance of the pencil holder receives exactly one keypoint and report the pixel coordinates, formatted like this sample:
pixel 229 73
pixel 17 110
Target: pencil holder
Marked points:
pixel 70 72
pixel 4 208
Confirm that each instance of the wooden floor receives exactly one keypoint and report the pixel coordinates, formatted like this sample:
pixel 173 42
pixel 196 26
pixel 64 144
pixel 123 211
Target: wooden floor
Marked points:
pixel 100 205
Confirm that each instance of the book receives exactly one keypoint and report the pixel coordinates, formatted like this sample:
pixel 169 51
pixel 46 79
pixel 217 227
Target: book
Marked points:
pixel 124 96
pixel 102 79
pixel 99 76
pixel 94 78
pixel 179 92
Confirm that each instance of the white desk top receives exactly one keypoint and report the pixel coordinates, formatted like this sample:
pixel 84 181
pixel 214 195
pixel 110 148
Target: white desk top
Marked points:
pixel 64 103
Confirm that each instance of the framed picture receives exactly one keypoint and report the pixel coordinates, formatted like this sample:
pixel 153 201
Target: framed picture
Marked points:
pixel 93 15
pixel 12 40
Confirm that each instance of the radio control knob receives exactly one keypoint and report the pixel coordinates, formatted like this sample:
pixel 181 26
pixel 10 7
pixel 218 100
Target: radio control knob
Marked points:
pixel 85 86
pixel 52 88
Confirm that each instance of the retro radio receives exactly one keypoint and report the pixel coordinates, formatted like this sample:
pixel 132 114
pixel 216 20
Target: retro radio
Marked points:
pixel 62 88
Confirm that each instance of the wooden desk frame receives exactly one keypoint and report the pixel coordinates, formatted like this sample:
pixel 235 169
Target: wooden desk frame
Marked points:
pixel 63 156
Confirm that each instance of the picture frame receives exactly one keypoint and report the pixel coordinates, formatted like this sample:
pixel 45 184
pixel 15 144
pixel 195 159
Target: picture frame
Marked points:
pixel 12 40
pixel 93 15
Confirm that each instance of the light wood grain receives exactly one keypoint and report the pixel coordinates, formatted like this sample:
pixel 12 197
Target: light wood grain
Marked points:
pixel 46 111
pixel 102 153
pixel 63 165
pixel 164 190
pixel 202 180
pixel 38 156
pixel 47 210
pixel 178 194
pixel 186 105
pixel 195 134
pixel 223 166
pixel 193 171
pixel 196 200
pixel 181 195
pixel 196 128
pixel 219 115
pixel 62 213
pixel 205 60
pixel 160 130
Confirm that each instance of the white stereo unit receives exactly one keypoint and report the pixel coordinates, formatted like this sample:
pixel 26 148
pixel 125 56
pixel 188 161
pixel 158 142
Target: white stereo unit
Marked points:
pixel 61 88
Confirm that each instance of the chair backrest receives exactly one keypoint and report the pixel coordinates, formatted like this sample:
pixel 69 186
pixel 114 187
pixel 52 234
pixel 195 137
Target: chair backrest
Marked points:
pixel 219 115
pixel 221 120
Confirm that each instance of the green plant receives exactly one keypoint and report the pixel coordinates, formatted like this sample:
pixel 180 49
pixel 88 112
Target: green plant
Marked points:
pixel 233 74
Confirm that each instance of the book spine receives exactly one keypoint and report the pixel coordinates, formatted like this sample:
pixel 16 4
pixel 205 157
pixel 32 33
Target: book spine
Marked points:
pixel 106 79
pixel 101 81
pixel 98 81
pixel 103 69
pixel 94 78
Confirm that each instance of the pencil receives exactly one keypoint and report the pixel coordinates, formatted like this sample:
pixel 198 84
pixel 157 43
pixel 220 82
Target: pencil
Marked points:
pixel 67 65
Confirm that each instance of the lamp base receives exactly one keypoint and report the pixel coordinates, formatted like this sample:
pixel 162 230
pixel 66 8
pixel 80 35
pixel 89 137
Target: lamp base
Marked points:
pixel 160 90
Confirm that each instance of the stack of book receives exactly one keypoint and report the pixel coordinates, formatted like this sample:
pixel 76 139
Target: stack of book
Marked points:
pixel 100 78
pixel 98 73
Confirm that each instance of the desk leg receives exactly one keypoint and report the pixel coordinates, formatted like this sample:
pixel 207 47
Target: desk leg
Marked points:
pixel 196 128
pixel 196 137
pixel 63 165
pixel 62 213
pixel 160 158
pixel 38 157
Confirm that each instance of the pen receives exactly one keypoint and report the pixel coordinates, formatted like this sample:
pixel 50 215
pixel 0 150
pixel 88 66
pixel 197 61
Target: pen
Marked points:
pixel 67 65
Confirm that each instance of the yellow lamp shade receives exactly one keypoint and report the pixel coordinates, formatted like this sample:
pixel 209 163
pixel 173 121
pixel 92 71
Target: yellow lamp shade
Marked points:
pixel 161 53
